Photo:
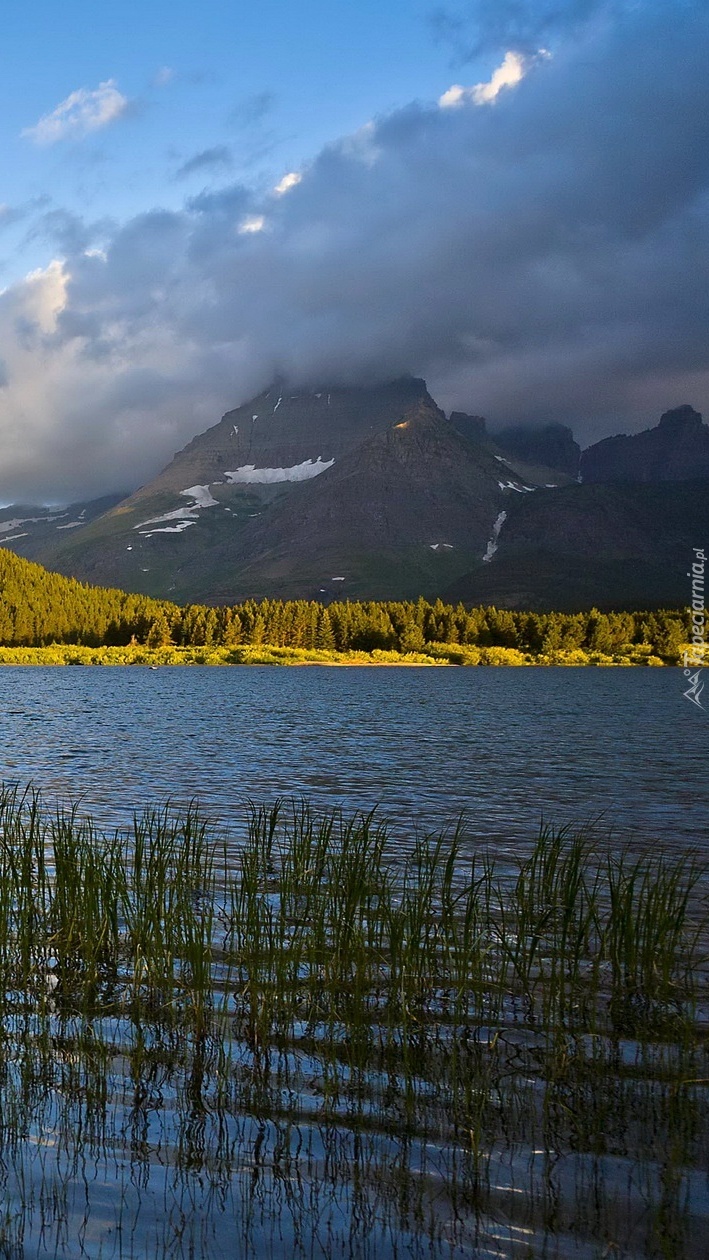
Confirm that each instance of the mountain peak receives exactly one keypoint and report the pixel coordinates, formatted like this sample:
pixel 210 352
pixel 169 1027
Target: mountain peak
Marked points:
pixel 682 419
pixel 677 449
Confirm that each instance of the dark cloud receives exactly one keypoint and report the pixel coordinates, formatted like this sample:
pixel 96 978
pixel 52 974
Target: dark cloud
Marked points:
pixel 540 258
pixel 208 160
pixel 66 232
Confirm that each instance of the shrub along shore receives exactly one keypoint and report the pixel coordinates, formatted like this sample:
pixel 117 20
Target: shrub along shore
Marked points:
pixel 272 654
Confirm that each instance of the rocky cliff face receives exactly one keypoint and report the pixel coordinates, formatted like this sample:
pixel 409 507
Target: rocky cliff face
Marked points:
pixel 552 444
pixel 677 449
pixel 474 428
pixel 404 511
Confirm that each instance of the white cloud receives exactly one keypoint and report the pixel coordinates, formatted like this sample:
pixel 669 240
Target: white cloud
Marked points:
pixel 46 295
pixel 252 223
pixel 512 71
pixel 82 112
pixel 289 181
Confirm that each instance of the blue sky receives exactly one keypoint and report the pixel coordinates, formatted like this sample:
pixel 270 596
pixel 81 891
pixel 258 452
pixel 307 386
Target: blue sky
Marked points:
pixel 508 197
pixel 259 88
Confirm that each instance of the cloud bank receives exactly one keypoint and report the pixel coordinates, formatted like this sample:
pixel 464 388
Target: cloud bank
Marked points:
pixel 541 257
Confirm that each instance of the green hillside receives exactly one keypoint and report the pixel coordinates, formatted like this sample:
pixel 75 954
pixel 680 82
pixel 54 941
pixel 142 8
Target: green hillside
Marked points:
pixel 39 607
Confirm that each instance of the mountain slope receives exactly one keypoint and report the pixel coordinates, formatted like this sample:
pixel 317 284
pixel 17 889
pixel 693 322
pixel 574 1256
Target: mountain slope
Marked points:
pixel 291 435
pixel 31 530
pixel 223 480
pixel 38 607
pixel 400 515
pixel 333 485
pixel 677 449
pixel 373 493
pixel 612 546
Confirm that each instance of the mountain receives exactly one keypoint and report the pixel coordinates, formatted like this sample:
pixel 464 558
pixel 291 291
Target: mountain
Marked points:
pixel 373 493
pixel 403 512
pixel 281 437
pixel 474 428
pixel 224 479
pixel 552 444
pixel 677 449
pixel 624 538
pixel 361 491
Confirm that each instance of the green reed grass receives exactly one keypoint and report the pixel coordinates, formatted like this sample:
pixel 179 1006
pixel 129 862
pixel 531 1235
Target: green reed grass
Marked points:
pixel 313 971
pixel 317 915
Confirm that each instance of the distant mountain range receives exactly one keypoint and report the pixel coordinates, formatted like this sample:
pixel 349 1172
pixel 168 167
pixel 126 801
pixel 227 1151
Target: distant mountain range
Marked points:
pixel 374 493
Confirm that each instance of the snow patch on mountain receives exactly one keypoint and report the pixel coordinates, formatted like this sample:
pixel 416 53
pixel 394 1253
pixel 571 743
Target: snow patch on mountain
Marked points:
pixel 201 495
pixel 201 498
pixel 28 520
pixel 512 485
pixel 167 529
pixel 492 545
pixel 249 474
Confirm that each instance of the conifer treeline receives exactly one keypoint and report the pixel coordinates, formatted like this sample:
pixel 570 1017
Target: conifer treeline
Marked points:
pixel 39 608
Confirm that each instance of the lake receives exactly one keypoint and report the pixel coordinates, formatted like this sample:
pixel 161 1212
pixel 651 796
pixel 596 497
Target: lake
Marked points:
pixel 303 1056
pixel 505 747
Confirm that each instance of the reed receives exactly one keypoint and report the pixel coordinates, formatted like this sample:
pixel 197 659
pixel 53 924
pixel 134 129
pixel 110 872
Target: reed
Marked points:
pixel 407 1027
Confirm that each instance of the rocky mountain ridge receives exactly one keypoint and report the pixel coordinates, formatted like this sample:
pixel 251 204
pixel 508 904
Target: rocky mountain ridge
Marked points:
pixel 374 493
pixel 677 449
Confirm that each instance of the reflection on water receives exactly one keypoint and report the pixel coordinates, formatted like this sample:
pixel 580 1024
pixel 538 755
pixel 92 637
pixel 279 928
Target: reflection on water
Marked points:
pixel 132 1146
pixel 504 746
pixel 314 1051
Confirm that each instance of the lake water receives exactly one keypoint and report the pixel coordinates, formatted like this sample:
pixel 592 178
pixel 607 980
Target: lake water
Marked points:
pixel 125 1133
pixel 503 746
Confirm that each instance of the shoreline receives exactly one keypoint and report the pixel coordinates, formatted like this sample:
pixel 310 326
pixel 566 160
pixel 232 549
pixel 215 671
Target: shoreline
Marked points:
pixel 440 655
